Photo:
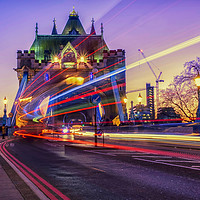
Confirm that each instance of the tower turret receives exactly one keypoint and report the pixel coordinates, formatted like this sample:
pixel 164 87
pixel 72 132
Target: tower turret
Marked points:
pixel 93 32
pixel 102 30
pixel 54 31
pixel 36 29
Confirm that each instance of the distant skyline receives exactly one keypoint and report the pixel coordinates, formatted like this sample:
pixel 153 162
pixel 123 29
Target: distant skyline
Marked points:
pixel 151 25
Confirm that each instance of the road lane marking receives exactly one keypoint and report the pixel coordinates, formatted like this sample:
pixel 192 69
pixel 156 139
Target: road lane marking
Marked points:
pixel 97 169
pixel 129 153
pixel 163 163
pixel 186 161
pixel 108 154
pixel 146 156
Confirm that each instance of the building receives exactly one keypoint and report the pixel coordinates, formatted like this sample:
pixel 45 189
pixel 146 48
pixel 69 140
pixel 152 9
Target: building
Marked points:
pixel 74 57
pixel 150 99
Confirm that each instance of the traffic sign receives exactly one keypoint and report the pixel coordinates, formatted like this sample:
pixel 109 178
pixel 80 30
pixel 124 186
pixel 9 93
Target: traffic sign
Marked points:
pixel 96 99
pixel 10 115
pixel 99 132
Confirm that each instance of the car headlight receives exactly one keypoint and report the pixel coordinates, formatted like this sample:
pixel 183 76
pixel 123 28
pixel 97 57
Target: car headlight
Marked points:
pixel 65 130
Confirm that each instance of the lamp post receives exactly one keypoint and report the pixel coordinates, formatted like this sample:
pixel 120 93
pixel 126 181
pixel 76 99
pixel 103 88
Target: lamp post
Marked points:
pixel 126 116
pixel 140 106
pixel 132 118
pixel 4 119
pixel 197 82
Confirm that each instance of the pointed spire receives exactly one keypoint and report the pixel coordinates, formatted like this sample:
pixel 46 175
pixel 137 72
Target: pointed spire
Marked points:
pixel 102 29
pixel 36 29
pixel 54 31
pixel 93 32
pixel 73 25
pixel 73 13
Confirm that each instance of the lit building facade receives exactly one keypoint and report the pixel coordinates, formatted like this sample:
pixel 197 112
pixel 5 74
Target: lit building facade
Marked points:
pixel 150 100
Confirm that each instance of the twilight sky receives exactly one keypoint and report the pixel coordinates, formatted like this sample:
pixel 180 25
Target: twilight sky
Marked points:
pixel 151 25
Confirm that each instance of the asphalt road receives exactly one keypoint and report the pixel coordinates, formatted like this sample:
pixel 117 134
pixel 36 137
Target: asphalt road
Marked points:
pixel 111 174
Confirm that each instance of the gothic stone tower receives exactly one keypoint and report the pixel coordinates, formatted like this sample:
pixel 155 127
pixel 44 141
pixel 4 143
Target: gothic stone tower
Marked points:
pixel 77 51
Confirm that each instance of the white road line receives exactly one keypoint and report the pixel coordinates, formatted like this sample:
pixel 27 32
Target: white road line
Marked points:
pixel 124 151
pixel 196 166
pixel 186 161
pixel 108 154
pixel 129 153
pixel 146 156
pixel 167 164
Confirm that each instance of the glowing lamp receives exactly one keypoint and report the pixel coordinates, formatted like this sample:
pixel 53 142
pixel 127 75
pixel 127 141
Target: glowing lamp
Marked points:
pixel 197 81
pixel 75 80
pixel 82 59
pixel 55 59
pixel 65 130
pixel 5 101
pixel 139 98
pixel 125 100
pixel 79 80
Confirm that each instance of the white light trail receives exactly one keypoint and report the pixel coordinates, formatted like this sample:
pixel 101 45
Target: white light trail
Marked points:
pixel 165 52
pixel 122 69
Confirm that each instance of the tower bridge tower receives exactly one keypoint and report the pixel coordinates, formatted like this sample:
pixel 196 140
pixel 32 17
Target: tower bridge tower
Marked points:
pixel 74 53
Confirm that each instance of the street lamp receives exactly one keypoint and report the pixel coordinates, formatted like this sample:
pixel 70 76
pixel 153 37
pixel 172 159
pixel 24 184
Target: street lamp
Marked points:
pixel 197 82
pixel 140 99
pixel 4 119
pixel 55 59
pixel 5 102
pixel 82 59
pixel 125 115
pixel 125 100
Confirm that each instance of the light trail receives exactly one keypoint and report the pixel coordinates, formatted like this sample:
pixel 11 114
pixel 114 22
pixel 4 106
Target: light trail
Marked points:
pixel 99 88
pixel 89 76
pixel 120 70
pixel 170 50
pixel 128 148
pixel 78 110
pixel 156 136
pixel 84 95
pixel 50 65
pixel 72 99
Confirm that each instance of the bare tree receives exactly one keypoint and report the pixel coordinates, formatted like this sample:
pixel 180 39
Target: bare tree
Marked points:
pixel 182 92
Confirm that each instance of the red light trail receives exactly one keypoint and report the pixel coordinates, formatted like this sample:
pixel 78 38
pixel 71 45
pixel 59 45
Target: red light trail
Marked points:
pixel 121 147
pixel 78 110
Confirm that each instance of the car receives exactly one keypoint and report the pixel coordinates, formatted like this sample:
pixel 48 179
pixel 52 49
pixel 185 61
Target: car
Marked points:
pixel 76 128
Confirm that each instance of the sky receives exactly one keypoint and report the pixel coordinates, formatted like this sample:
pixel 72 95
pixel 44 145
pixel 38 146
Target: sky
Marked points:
pixel 151 25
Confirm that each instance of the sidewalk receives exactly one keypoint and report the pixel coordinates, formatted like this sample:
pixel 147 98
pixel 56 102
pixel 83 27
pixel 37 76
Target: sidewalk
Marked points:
pixel 12 186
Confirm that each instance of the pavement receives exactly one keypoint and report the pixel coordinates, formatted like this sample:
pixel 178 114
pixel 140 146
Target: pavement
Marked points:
pixel 11 184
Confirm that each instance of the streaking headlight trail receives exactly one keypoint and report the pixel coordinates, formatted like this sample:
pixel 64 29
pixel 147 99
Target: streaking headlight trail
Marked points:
pixel 166 52
pixel 122 69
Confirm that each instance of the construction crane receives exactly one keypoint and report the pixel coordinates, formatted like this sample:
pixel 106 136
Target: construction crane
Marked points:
pixel 157 79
